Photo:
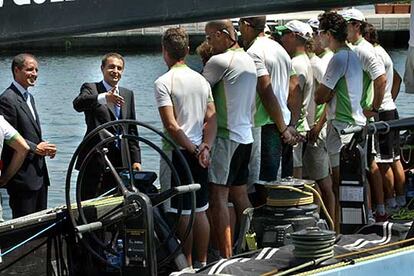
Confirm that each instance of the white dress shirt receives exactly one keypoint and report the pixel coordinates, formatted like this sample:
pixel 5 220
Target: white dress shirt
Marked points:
pixel 28 99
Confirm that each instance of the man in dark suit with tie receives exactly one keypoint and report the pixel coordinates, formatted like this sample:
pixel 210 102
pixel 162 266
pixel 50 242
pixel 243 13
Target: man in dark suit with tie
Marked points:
pixel 103 102
pixel 28 188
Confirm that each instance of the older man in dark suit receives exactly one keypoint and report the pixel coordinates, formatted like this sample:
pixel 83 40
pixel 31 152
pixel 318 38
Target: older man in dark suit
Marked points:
pixel 103 102
pixel 28 188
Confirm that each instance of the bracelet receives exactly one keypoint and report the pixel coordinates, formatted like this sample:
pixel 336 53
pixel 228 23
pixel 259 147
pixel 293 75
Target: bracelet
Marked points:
pixel 281 133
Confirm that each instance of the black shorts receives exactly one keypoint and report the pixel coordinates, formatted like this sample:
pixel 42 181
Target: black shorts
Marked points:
pixel 200 176
pixel 388 145
pixel 239 166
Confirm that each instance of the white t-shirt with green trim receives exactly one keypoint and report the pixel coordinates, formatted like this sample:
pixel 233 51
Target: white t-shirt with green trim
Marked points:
pixel 272 59
pixel 232 75
pixel 372 66
pixel 7 132
pixel 303 69
pixel 387 102
pixel 188 93
pixel 319 65
pixel 344 76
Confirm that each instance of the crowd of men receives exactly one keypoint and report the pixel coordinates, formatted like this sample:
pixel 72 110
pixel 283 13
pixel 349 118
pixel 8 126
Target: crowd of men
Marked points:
pixel 278 98
pixel 281 99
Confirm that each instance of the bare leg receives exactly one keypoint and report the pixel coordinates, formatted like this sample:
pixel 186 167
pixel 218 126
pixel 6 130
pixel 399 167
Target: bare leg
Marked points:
pixel 297 172
pixel 188 244
pixel 388 178
pixel 213 239
pixel 399 178
pixel 218 197
pixel 240 199
pixel 328 195
pixel 201 233
pixel 335 188
pixel 376 185
pixel 233 220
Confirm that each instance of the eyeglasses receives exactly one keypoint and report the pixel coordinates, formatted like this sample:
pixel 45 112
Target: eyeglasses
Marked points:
pixel 208 36
pixel 321 31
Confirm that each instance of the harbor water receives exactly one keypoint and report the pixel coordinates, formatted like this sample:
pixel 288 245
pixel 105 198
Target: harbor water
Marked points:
pixel 60 77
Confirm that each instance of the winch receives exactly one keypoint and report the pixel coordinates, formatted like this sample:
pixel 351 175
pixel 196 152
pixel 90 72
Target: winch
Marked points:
pixel 313 242
pixel 290 207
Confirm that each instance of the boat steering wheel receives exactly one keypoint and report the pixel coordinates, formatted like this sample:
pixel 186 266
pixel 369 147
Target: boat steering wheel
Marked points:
pixel 116 214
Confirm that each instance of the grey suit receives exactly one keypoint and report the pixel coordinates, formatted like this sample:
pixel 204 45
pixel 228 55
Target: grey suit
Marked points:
pixel 32 177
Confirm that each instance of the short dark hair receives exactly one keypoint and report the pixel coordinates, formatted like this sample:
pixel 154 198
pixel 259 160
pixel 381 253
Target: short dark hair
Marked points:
pixel 335 23
pixel 371 34
pixel 109 55
pixel 175 42
pixel 224 25
pixel 18 61
pixel 256 22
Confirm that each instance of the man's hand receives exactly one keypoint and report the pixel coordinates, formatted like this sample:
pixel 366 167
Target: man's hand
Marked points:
pixel 313 134
pixel 136 166
pixel 112 97
pixel 370 113
pixel 204 155
pixel 289 136
pixel 3 181
pixel 46 149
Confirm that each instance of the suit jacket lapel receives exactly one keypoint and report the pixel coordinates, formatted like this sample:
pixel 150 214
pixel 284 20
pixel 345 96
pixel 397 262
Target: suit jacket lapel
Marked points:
pixel 124 107
pixel 37 115
pixel 26 109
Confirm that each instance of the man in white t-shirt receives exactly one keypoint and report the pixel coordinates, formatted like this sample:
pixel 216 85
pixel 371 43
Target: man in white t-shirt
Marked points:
pixel 374 86
pixel 341 89
pixel 188 114
pixel 374 70
pixel 316 157
pixel 388 145
pixel 12 138
pixel 272 117
pixel 294 35
pixel 409 64
pixel 232 76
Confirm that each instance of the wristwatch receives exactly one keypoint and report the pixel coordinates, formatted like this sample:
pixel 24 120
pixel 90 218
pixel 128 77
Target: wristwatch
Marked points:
pixel 196 151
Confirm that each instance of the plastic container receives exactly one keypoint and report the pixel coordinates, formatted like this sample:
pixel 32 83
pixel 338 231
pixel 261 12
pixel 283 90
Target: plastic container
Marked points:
pixel 115 260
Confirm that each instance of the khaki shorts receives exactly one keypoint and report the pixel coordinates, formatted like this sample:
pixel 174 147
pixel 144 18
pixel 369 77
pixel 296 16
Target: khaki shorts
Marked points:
pixel 316 158
pixel 409 71
pixel 335 141
pixel 254 163
pixel 297 155
pixel 229 164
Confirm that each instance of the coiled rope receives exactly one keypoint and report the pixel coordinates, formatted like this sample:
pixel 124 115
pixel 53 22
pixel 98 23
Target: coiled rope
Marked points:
pixel 299 197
